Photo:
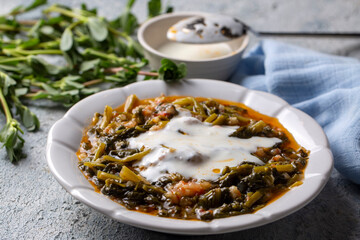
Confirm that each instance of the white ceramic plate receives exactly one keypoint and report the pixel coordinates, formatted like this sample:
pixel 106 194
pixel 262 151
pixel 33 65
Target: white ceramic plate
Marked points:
pixel 64 138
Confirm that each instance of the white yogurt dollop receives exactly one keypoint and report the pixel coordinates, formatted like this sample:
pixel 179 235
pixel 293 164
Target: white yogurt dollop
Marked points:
pixel 195 149
pixel 195 51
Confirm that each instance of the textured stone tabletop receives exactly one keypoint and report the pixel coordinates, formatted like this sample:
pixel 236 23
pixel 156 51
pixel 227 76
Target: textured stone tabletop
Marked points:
pixel 34 206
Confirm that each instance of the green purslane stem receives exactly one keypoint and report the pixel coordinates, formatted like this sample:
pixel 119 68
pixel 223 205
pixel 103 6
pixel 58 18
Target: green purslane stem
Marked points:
pixel 106 56
pixel 121 34
pixel 74 24
pixel 119 69
pixel 33 52
pixel 49 44
pixel 93 82
pixel 36 84
pixel 8 28
pixel 14 59
pixel 5 106
pixel 5 27
pixel 30 95
pixel 28 22
pixel 55 8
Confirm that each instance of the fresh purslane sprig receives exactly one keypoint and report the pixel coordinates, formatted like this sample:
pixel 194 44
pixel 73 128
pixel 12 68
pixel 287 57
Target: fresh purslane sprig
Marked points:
pixel 10 134
pixel 63 56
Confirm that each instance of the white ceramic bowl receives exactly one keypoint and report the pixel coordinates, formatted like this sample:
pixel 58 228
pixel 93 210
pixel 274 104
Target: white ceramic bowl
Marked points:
pixel 64 140
pixel 152 35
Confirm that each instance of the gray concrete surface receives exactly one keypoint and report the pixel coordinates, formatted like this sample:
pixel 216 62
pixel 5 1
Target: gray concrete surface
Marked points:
pixel 34 206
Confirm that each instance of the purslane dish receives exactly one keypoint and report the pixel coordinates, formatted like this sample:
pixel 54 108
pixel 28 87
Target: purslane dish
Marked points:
pixel 189 158
pixel 121 156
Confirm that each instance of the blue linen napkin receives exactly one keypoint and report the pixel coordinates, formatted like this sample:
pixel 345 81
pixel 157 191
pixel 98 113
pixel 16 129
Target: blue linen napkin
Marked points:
pixel 325 87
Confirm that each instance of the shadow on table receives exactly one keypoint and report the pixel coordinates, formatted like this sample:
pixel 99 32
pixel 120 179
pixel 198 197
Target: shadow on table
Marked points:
pixel 331 215
pixel 352 50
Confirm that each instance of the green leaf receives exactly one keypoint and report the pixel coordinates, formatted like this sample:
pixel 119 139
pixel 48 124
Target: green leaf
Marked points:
pixel 169 71
pixel 130 3
pixel 40 95
pixel 67 98
pixel 84 7
pixel 41 67
pixel 115 23
pixel 141 64
pixel 169 9
pixel 88 65
pixel 49 89
pixel 29 43
pixel 28 119
pixel 130 74
pixel 35 4
pixel 182 70
pixel 6 82
pixel 118 80
pixel 21 91
pixel 98 28
pixel 89 91
pixel 69 83
pixel 54 20
pixel 24 69
pixel 73 58
pixel 66 40
pixel 154 8
pixel 11 139
pixel 47 30
pixel 128 22
pixel 134 49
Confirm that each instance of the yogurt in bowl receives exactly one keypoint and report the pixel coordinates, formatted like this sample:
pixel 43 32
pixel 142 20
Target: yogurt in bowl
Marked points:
pixel 216 61
pixel 195 51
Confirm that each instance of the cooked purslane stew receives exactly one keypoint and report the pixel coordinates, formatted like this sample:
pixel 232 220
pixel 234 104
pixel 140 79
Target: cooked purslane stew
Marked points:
pixel 190 158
